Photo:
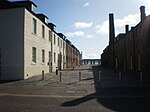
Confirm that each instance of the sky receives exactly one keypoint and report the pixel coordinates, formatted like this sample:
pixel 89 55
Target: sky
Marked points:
pixel 85 22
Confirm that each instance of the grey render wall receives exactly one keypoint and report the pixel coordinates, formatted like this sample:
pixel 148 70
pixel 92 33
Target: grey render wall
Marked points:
pixel 11 43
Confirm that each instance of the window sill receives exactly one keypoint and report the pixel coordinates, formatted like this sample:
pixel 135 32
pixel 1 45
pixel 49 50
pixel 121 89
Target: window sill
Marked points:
pixel 42 63
pixel 34 34
pixel 43 38
pixel 33 63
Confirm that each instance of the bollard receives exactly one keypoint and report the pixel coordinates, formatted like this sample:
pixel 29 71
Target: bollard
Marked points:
pixel 120 78
pixel 99 78
pixel 60 77
pixel 141 77
pixel 80 77
pixel 42 74
pixel 56 70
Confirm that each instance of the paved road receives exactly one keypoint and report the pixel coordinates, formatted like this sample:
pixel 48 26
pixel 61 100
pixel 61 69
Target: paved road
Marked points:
pixel 45 103
pixel 51 95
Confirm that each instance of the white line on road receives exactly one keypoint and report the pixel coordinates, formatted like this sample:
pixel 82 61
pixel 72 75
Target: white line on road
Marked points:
pixel 60 96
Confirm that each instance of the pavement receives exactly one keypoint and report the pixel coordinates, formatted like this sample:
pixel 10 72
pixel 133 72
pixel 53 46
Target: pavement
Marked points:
pixel 51 85
pixel 86 88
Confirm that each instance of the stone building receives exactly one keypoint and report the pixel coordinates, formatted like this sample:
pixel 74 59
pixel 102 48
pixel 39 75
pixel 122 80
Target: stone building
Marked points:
pixel 73 56
pixel 129 52
pixel 28 43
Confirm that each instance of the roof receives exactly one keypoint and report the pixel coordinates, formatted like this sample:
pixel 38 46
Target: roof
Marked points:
pixel 4 4
pixel 25 2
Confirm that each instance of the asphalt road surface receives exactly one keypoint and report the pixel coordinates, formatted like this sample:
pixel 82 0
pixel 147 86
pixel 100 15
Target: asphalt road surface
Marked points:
pixel 71 95
pixel 47 103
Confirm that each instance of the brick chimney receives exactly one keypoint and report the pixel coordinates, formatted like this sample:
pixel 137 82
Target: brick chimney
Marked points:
pixel 127 28
pixel 111 29
pixel 142 10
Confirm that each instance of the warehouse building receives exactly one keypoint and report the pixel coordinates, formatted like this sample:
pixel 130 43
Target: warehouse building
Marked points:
pixel 129 52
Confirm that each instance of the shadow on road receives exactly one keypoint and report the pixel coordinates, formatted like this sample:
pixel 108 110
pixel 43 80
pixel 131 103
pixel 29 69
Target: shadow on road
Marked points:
pixel 116 98
pixel 7 81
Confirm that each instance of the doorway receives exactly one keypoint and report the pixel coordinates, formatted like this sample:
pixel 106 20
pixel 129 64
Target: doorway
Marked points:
pixel 50 62
pixel 0 64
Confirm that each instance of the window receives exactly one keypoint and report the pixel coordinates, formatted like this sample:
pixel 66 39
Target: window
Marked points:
pixel 43 31
pixel 116 63
pixel 131 63
pixel 54 39
pixel 54 57
pixel 64 59
pixel 61 43
pixel 49 58
pixel 34 26
pixel 58 41
pixel 43 56
pixel 139 62
pixel 33 8
pixel 34 54
pixel 50 35
pixel 124 64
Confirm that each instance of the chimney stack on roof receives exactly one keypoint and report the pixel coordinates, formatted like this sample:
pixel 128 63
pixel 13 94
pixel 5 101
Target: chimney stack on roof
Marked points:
pixel 142 10
pixel 111 29
pixel 127 28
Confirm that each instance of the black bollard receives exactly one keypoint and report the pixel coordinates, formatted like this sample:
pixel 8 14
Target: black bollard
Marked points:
pixel 60 77
pixel 80 77
pixel 56 70
pixel 43 75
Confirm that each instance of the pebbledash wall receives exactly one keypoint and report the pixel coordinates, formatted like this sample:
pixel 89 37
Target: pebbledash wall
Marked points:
pixel 28 43
pixel 129 52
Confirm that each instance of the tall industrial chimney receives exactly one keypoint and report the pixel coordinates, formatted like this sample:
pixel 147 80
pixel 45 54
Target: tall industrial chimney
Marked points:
pixel 142 10
pixel 126 28
pixel 111 29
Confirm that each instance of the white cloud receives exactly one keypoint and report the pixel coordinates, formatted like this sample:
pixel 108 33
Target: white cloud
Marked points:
pixel 90 56
pixel 75 34
pixel 83 25
pixel 89 36
pixel 79 34
pixel 148 2
pixel 131 20
pixel 103 28
pixel 86 4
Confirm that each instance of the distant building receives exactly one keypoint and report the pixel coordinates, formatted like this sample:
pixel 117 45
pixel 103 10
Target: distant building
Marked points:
pixel 91 61
pixel 129 52
pixel 28 43
pixel 73 56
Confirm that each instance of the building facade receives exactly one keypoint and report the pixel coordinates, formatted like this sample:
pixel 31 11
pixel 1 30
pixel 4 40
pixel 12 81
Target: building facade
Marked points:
pixel 73 56
pixel 28 43
pixel 91 61
pixel 129 52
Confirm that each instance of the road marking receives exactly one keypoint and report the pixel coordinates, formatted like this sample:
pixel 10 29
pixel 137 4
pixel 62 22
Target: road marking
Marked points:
pixel 32 95
pixel 70 91
pixel 69 97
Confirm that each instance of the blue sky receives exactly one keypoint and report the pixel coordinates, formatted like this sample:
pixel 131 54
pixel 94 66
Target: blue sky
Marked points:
pixel 85 22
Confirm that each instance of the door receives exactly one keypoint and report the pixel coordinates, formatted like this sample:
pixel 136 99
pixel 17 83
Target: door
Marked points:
pixel 0 64
pixel 50 62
